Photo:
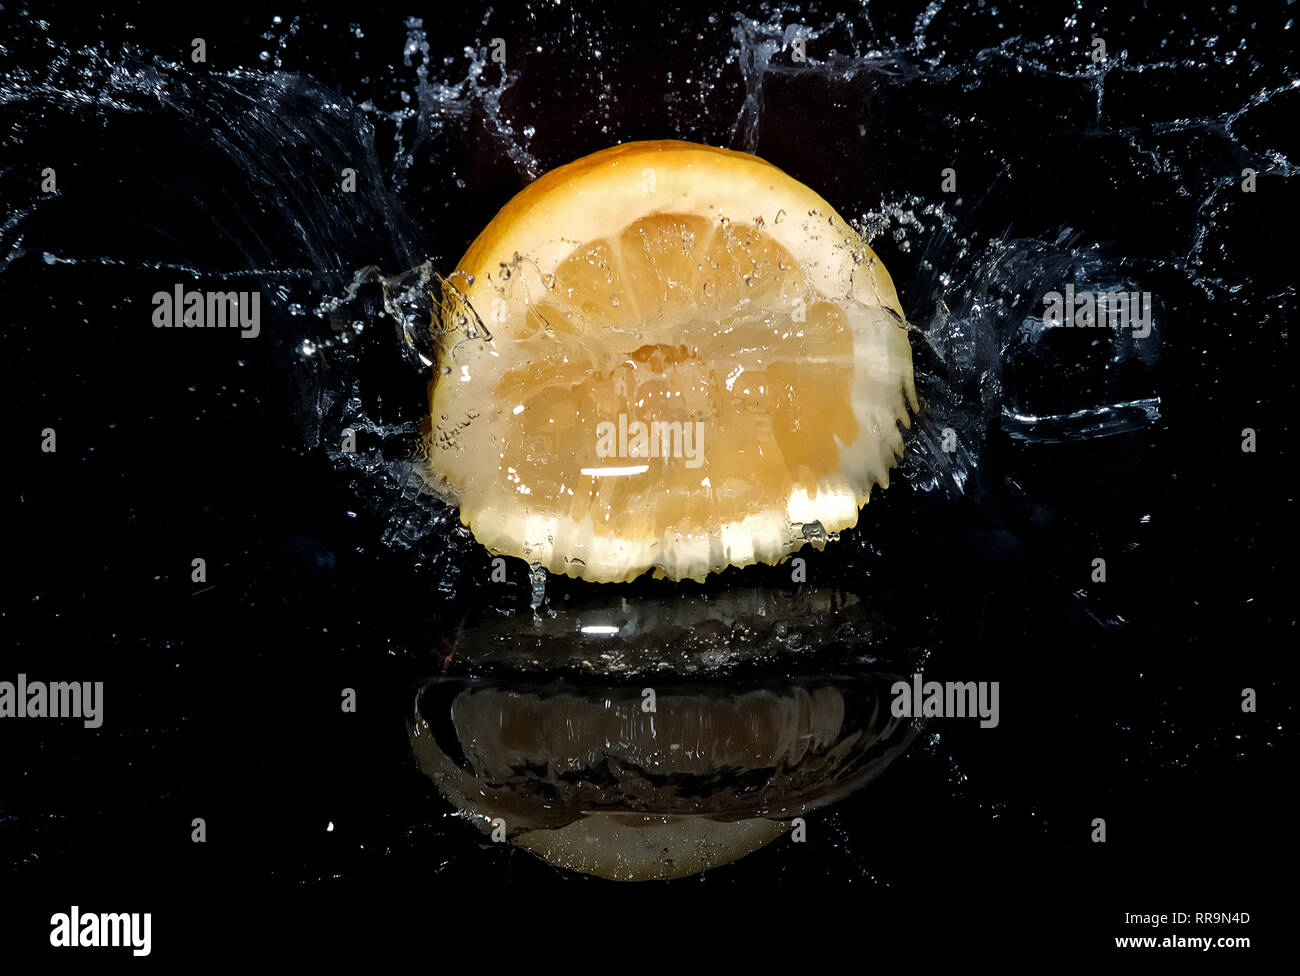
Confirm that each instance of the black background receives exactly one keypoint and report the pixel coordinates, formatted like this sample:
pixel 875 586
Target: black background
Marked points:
pixel 222 700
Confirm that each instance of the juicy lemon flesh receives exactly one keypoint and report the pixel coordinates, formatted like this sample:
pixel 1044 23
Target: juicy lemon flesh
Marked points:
pixel 709 336
pixel 679 345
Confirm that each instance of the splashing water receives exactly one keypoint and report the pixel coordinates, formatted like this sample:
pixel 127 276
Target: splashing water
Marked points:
pixel 973 296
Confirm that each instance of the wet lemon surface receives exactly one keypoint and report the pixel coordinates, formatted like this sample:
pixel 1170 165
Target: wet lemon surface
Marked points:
pixel 685 392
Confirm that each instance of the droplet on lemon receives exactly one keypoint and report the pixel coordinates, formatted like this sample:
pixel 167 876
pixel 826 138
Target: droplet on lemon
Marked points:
pixel 666 357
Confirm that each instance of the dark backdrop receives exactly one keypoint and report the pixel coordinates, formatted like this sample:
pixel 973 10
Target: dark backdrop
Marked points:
pixel 222 698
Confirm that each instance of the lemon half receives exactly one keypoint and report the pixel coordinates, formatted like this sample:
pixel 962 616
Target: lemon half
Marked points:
pixel 666 357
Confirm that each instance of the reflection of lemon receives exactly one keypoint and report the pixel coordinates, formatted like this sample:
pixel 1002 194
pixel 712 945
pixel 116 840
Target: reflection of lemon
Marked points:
pixel 671 357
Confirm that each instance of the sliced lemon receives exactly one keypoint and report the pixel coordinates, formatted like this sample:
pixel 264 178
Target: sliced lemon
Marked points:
pixel 666 357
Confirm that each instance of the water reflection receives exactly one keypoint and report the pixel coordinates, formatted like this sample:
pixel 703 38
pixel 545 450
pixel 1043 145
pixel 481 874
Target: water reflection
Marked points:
pixel 690 741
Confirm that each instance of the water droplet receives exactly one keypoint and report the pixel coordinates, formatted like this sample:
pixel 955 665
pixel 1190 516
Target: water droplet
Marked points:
pixel 813 530
pixel 537 580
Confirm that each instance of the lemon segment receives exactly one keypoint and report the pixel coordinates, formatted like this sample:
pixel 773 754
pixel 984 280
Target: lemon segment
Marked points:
pixel 666 357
